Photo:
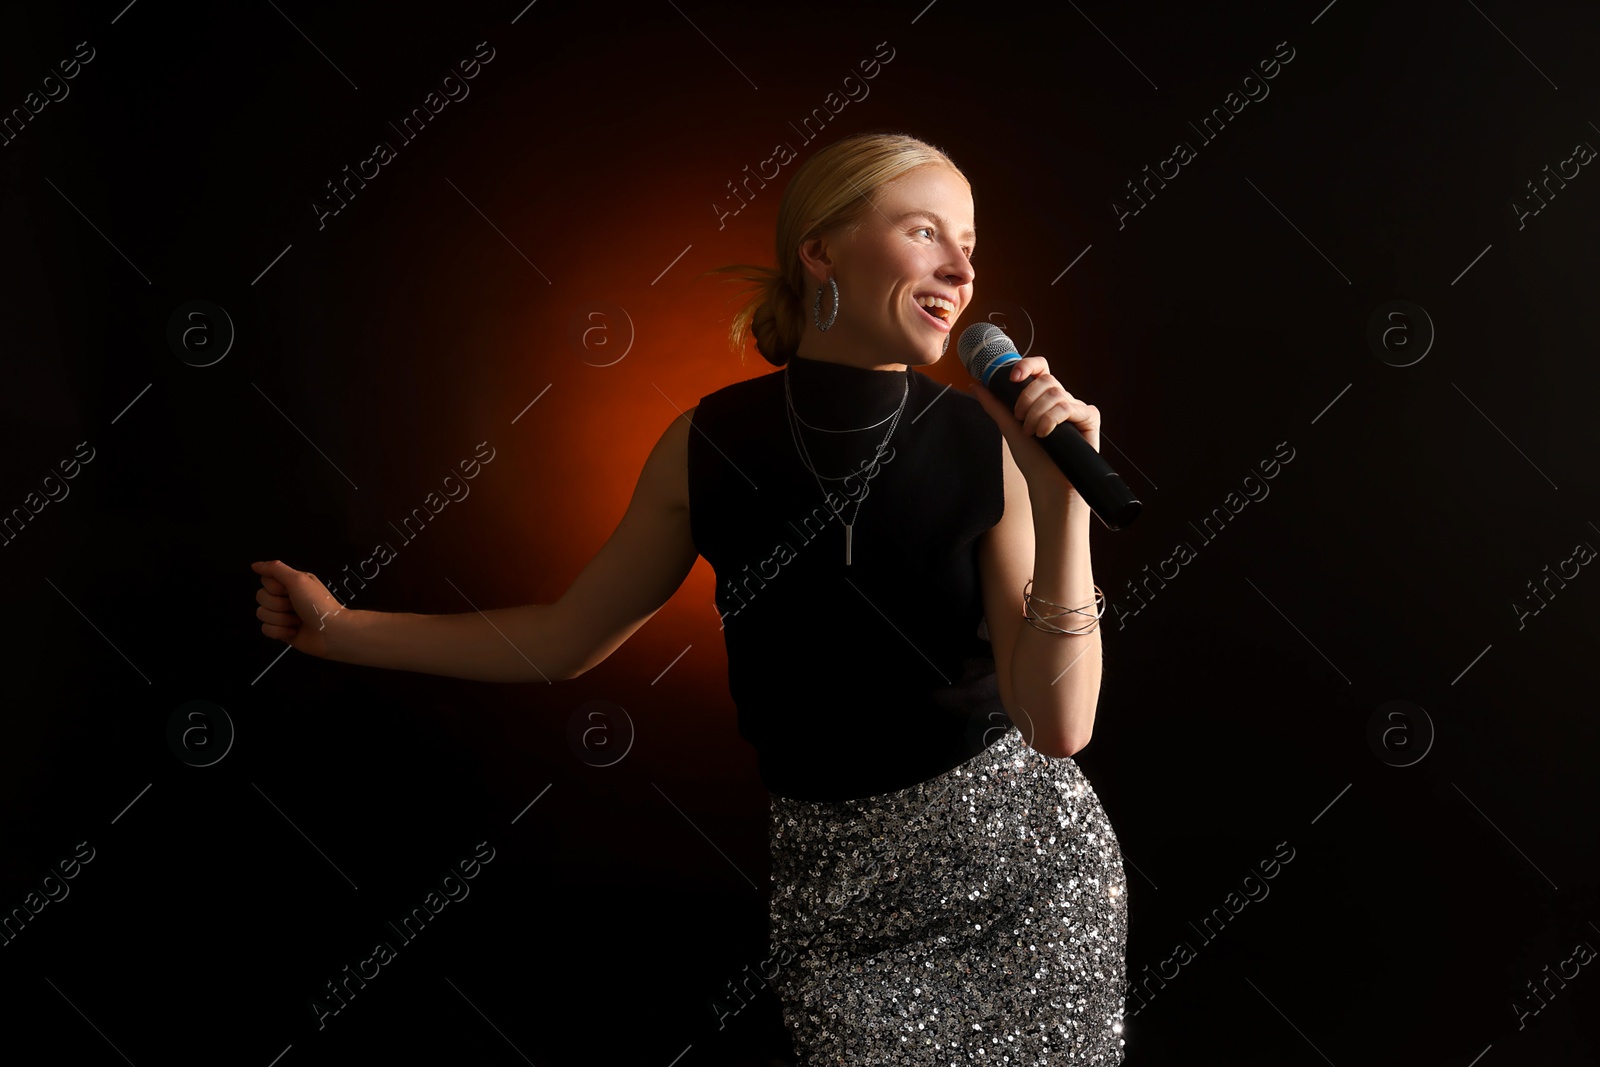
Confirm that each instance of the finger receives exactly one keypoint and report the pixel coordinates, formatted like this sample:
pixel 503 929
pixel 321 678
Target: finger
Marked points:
pixel 1079 417
pixel 1042 418
pixel 1040 395
pixel 1028 366
pixel 1042 382
pixel 274 574
pixel 1030 419
pixel 277 571
pixel 278 618
pixel 1047 416
pixel 275 601
pixel 280 633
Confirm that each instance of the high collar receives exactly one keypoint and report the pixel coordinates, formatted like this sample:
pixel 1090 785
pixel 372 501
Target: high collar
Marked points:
pixel 838 396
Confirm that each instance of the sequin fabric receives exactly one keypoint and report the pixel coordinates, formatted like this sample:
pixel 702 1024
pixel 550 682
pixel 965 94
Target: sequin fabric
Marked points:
pixel 979 917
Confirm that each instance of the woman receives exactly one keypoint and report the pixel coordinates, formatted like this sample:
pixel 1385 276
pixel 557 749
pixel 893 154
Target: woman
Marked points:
pixel 946 887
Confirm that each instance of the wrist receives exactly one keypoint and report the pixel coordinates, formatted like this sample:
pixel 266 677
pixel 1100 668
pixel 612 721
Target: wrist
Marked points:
pixel 1059 503
pixel 345 632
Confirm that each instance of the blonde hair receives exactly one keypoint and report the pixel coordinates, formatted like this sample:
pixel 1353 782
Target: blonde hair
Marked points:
pixel 831 193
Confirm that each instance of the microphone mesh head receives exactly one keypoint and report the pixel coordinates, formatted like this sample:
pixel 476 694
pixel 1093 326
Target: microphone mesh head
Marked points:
pixel 981 344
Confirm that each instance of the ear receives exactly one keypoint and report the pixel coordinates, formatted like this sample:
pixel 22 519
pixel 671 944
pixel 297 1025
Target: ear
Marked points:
pixel 815 258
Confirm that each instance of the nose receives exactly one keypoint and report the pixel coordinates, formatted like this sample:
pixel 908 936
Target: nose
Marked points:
pixel 958 271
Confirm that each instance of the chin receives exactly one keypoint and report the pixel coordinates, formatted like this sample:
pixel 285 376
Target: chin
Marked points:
pixel 927 350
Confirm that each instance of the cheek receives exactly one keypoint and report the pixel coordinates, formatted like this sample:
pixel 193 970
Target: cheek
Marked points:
pixel 915 262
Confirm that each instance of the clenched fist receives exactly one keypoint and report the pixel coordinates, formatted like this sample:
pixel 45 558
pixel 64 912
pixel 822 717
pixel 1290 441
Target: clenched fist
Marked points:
pixel 296 608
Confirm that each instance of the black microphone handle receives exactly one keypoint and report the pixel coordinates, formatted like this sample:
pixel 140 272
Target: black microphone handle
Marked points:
pixel 1105 493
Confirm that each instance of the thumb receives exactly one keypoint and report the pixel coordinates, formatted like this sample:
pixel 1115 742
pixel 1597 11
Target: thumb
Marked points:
pixel 280 579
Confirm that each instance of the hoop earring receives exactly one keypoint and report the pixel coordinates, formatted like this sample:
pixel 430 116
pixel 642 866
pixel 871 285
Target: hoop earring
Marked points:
pixel 816 309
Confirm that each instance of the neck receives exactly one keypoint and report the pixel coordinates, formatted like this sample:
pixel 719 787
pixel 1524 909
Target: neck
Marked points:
pixel 861 363
pixel 838 345
pixel 834 395
pixel 817 346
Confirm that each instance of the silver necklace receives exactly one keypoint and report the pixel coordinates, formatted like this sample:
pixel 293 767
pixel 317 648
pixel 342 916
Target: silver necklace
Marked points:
pixel 857 429
pixel 871 470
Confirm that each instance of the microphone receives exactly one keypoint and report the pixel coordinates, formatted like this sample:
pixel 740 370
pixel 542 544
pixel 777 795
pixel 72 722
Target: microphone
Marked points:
pixel 988 353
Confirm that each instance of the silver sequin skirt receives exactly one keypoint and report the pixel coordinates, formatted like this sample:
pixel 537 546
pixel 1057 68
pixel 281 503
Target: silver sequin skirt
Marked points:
pixel 979 917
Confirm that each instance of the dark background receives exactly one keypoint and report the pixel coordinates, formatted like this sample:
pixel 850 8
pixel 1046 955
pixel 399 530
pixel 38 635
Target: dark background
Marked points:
pixel 1245 703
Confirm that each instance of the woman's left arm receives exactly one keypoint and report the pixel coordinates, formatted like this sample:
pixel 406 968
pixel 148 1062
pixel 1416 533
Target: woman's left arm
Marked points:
pixel 1049 682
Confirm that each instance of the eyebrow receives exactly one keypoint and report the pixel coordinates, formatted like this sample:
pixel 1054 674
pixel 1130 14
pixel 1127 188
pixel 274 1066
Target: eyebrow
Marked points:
pixel 970 235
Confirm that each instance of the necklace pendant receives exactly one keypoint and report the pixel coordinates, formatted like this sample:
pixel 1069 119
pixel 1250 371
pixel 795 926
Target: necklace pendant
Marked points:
pixel 849 529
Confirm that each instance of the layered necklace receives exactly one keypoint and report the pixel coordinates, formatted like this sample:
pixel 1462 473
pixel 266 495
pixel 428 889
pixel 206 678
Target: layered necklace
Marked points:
pixel 796 422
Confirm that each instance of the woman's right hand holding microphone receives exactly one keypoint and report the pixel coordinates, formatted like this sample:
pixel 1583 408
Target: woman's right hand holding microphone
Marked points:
pixel 297 609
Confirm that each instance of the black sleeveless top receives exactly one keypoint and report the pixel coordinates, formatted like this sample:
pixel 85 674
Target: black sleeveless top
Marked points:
pixel 855 680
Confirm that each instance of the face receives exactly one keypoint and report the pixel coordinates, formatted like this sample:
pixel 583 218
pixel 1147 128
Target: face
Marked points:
pixel 917 243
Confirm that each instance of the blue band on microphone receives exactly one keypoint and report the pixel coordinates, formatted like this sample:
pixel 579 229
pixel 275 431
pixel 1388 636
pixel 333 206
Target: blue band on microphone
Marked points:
pixel 1004 361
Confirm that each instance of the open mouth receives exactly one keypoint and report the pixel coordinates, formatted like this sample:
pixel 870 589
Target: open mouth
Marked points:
pixel 940 317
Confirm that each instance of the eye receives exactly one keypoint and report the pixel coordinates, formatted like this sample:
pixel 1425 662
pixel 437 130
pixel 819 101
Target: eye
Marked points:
pixel 966 250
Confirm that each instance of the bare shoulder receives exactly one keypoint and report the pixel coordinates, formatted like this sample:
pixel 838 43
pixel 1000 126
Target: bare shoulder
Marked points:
pixel 665 478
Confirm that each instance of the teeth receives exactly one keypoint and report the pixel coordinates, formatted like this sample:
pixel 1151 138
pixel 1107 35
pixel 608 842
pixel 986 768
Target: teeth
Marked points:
pixel 936 302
